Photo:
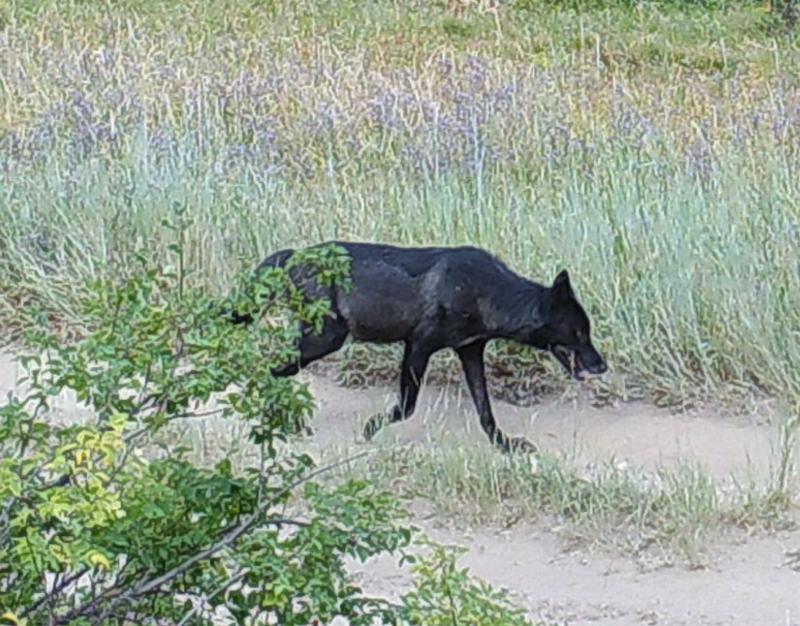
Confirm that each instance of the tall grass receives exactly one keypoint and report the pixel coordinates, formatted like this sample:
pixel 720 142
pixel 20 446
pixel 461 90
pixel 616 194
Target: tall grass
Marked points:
pixel 666 184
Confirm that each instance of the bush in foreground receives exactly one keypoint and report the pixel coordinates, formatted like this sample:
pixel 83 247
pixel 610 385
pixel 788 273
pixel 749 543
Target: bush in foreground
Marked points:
pixel 99 526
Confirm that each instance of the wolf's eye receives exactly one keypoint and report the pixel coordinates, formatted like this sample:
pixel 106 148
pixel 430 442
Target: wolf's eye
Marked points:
pixel 579 335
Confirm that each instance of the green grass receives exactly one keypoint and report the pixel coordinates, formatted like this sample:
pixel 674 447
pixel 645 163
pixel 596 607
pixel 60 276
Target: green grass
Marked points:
pixel 691 287
pixel 675 513
pixel 679 514
pixel 650 150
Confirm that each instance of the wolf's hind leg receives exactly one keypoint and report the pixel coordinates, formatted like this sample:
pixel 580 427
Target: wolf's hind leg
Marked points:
pixel 415 362
pixel 313 347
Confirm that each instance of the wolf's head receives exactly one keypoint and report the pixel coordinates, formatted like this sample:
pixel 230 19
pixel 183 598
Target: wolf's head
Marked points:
pixel 566 330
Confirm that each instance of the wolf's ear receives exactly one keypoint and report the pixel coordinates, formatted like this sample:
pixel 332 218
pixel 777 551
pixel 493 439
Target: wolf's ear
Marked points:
pixel 561 279
pixel 561 285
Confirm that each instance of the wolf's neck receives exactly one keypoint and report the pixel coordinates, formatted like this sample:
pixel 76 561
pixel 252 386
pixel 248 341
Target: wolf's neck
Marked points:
pixel 514 310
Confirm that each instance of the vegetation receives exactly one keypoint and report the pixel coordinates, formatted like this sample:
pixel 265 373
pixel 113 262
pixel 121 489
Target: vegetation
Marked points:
pixel 98 527
pixel 650 147
pixel 678 515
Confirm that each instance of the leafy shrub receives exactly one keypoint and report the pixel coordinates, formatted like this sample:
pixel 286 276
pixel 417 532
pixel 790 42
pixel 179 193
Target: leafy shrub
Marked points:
pixel 98 527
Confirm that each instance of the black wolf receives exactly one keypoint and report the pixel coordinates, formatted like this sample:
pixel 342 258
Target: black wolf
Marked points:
pixel 435 298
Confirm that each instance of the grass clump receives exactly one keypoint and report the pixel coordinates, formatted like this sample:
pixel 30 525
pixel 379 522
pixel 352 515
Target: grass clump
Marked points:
pixel 679 512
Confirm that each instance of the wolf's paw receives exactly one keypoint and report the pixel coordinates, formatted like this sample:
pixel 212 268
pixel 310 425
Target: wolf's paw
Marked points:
pixel 373 425
pixel 521 445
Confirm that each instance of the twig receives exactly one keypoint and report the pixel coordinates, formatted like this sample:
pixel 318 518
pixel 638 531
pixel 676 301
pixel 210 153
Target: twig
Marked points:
pixel 56 590
pixel 40 575
pixel 203 414
pixel 5 517
pixel 140 399
pixel 110 593
pixel 129 438
pixel 283 521
pixel 238 576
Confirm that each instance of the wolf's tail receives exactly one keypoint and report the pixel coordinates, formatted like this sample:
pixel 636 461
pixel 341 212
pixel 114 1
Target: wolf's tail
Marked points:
pixel 278 259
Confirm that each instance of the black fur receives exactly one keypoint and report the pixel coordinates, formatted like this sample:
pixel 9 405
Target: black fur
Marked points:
pixel 435 298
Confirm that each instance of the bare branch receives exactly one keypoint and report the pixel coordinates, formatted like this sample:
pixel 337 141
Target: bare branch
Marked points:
pixel 283 521
pixel 56 591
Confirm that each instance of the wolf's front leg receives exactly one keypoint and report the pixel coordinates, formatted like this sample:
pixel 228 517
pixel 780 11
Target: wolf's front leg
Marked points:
pixel 472 362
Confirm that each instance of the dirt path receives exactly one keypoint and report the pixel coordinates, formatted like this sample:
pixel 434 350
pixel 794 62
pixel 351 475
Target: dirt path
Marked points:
pixel 747 584
pixel 637 434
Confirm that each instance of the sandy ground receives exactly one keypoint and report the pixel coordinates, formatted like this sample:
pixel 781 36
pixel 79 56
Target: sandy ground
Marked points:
pixel 637 434
pixel 747 583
